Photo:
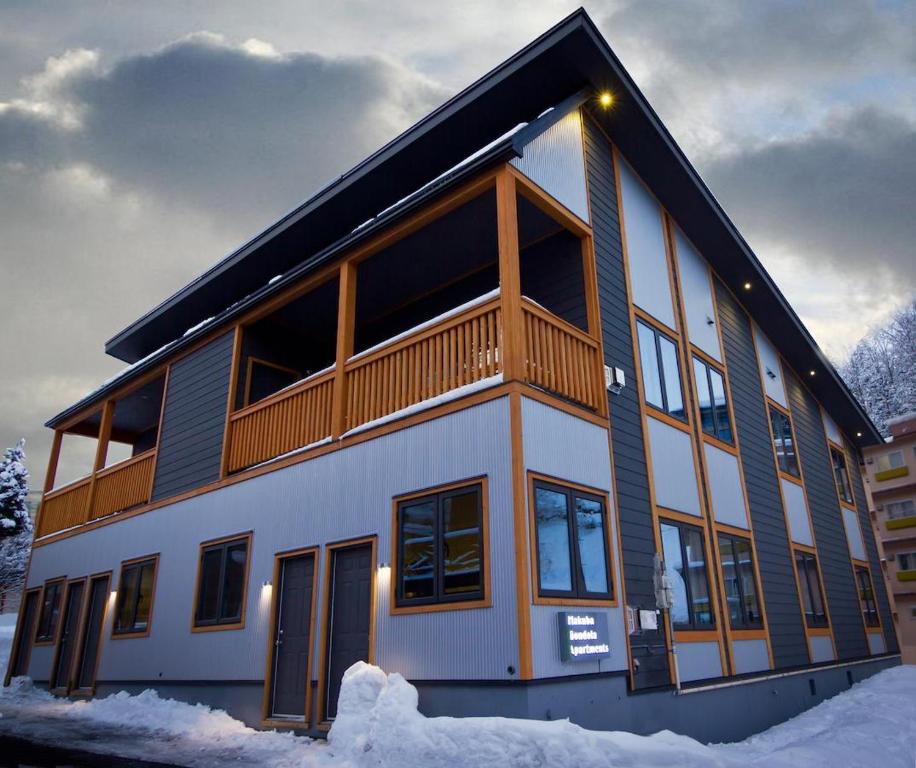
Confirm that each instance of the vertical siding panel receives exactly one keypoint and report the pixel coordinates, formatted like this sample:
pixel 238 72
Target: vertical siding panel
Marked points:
pixel 630 474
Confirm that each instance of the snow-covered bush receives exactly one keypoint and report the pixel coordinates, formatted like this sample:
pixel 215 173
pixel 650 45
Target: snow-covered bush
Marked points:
pixel 15 523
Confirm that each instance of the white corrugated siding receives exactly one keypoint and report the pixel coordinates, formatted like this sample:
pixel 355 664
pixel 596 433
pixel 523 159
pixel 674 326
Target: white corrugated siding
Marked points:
pixel 555 161
pixel 341 495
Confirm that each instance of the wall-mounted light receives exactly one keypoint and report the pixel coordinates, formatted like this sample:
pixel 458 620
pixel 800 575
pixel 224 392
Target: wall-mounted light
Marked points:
pixel 614 379
pixel 383 566
pixel 606 99
pixel 266 583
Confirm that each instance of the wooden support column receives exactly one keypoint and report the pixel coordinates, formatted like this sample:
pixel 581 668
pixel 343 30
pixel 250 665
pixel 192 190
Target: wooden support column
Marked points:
pixel 510 283
pixel 101 454
pixel 346 327
pixel 51 474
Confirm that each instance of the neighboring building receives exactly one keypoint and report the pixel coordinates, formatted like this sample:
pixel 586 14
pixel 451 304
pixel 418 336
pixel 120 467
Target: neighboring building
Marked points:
pixel 890 478
pixel 451 437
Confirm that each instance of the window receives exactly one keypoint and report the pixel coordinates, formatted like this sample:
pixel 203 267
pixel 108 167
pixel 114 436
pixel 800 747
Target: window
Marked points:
pixel 713 403
pixel 135 597
pixel 571 528
pixel 906 561
pixel 783 442
pixel 840 475
pixel 866 597
pixel 900 509
pixel 50 611
pixel 740 586
pixel 685 564
pixel 221 583
pixel 660 371
pixel 892 460
pixel 440 547
pixel 811 593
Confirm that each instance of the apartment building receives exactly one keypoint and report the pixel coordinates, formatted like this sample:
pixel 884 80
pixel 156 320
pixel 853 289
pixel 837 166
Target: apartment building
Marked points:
pixel 452 416
pixel 890 484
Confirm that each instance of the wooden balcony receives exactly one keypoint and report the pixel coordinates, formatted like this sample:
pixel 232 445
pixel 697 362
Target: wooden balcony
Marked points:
pixel 106 492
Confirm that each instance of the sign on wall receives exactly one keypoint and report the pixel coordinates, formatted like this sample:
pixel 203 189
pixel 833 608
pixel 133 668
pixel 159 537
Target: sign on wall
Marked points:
pixel 583 635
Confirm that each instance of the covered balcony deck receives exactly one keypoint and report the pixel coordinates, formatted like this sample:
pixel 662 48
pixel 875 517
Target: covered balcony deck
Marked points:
pixel 495 284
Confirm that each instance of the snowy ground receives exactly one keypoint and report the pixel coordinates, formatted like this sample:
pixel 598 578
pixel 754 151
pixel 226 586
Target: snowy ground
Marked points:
pixel 378 726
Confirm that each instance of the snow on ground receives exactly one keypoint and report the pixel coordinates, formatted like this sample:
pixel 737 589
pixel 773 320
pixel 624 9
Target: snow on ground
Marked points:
pixel 378 726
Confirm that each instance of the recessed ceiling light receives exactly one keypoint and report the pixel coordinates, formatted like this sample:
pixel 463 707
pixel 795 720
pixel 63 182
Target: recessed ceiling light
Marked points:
pixel 858 434
pixel 606 99
pixel 811 373
pixel 747 286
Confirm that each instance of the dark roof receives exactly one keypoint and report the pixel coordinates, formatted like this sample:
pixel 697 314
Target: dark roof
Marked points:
pixel 571 56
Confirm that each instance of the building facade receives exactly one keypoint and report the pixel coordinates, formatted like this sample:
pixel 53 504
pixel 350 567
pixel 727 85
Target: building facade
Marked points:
pixel 890 482
pixel 461 437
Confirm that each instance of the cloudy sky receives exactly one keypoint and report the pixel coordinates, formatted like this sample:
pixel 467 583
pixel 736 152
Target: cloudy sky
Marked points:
pixel 141 142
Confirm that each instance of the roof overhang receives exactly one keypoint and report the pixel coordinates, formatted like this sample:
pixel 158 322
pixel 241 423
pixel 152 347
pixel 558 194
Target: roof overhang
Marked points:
pixel 571 56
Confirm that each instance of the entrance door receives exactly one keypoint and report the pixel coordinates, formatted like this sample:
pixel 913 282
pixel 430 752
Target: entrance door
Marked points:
pixel 66 644
pixel 349 616
pixel 88 658
pixel 292 637
pixel 22 651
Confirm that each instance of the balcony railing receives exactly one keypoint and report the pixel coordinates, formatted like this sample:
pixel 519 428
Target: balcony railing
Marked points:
pixel 115 489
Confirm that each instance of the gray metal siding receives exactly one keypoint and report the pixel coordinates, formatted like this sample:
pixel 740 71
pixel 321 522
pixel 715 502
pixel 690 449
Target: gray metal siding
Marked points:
pixel 780 592
pixel 342 495
pixel 191 443
pixel 877 574
pixel 630 472
pixel 833 554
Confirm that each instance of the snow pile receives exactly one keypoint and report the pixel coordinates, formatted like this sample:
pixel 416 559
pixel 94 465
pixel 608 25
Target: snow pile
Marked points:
pixel 7 630
pixel 378 726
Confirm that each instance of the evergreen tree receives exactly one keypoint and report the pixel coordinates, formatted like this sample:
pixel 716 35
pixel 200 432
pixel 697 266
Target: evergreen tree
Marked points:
pixel 14 489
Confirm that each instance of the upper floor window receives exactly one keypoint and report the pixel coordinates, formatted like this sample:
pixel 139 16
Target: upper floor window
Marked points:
pixel 809 583
pixel 661 371
pixel 906 561
pixel 571 530
pixel 840 475
pixel 740 585
pixel 440 547
pixel 892 460
pixel 685 563
pixel 50 611
pixel 784 442
pixel 135 597
pixel 221 583
pixel 866 597
pixel 713 403
pixel 900 509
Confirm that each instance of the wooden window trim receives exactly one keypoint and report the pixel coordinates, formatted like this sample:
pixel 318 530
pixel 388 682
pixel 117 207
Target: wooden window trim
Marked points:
pixel 697 523
pixel 330 549
pixel 832 448
pixel 84 628
pixel 804 584
pixel 115 635
pixel 537 598
pixel 266 720
pixel 714 439
pixel 663 408
pixel 483 601
pixel 780 471
pixel 45 640
pixel 858 566
pixel 744 626
pixel 223 541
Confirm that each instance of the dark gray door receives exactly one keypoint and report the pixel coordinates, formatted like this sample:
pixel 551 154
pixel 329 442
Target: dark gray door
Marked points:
pixel 92 634
pixel 21 652
pixel 350 604
pixel 66 644
pixel 292 637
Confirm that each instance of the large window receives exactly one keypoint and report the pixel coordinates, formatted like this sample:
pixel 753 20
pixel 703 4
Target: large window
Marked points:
pixel 889 461
pixel 135 597
pixel 906 561
pixel 866 597
pixel 784 442
pixel 740 585
pixel 50 611
pixel 712 400
pixel 571 529
pixel 221 583
pixel 897 510
pixel 660 371
pixel 811 593
pixel 685 564
pixel 840 475
pixel 440 547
